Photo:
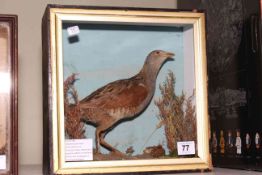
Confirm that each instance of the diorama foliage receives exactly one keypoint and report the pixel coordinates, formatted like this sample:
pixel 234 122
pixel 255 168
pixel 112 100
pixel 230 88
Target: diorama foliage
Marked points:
pixel 176 114
pixel 74 127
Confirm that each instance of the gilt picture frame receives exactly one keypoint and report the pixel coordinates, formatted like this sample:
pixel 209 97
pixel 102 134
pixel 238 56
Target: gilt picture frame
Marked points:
pixel 8 95
pixel 125 90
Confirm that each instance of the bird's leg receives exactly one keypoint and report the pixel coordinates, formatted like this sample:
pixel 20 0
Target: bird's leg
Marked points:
pixel 108 146
pixel 104 143
pixel 98 133
pixel 100 140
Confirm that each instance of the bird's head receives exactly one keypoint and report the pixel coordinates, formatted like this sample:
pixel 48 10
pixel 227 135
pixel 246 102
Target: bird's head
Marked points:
pixel 156 58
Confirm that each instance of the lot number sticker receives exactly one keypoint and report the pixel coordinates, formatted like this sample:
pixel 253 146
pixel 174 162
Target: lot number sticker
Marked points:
pixel 186 148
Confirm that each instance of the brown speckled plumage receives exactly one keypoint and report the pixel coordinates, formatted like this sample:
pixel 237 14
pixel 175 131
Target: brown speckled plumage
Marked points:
pixel 122 99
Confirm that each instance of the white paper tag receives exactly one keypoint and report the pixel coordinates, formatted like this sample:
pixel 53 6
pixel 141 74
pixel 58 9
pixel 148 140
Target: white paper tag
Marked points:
pixel 2 162
pixel 186 148
pixel 78 149
pixel 73 31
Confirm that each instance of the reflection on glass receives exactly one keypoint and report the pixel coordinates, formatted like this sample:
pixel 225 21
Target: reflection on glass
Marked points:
pixel 5 82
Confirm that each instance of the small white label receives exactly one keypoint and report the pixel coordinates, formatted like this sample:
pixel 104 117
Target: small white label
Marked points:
pixel 73 31
pixel 2 162
pixel 78 149
pixel 186 148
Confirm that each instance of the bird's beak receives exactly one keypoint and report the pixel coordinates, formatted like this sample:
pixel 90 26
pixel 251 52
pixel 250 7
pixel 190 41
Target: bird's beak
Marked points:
pixel 170 55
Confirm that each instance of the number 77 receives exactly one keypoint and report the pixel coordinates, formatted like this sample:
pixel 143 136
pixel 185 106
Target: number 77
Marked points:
pixel 185 147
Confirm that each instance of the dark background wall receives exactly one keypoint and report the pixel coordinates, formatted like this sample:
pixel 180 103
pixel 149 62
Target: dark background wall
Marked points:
pixel 234 72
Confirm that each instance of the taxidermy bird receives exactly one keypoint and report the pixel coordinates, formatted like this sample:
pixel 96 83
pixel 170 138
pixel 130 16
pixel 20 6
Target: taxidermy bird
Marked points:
pixel 122 99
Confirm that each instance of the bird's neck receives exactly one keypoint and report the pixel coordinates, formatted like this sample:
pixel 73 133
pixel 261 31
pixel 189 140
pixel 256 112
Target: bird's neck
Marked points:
pixel 149 75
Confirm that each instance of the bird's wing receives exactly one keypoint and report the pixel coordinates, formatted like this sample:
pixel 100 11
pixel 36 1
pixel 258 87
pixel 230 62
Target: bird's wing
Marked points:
pixel 118 94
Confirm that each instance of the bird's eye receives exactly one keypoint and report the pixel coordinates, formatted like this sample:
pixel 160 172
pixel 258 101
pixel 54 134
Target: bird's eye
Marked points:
pixel 157 52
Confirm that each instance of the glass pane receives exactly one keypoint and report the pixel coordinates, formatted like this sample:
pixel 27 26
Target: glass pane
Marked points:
pixel 105 53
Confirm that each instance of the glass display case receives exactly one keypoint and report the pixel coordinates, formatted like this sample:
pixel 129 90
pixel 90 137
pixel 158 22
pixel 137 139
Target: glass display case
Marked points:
pixel 8 95
pixel 124 90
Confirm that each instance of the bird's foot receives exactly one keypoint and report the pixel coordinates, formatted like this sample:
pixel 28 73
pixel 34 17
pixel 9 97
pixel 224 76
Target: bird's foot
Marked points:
pixel 118 153
pixel 97 151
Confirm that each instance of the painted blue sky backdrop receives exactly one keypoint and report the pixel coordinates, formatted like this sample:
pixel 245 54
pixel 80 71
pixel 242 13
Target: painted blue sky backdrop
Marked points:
pixel 105 53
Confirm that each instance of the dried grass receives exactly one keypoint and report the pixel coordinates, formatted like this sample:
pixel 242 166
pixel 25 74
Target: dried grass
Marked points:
pixel 176 114
pixel 74 127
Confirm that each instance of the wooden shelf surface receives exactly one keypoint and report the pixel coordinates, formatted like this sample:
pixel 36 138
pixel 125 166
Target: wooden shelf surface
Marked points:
pixel 37 170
